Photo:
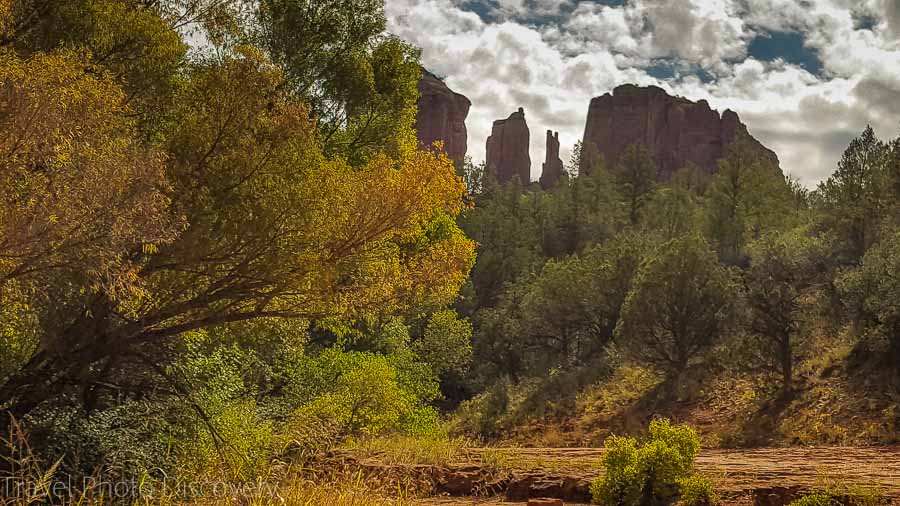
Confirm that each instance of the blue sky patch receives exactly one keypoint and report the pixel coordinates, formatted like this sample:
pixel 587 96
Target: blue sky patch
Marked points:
pixel 486 8
pixel 788 46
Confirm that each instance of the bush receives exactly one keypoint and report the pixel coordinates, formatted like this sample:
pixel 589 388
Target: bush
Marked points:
pixel 697 490
pixel 817 499
pixel 657 471
pixel 835 491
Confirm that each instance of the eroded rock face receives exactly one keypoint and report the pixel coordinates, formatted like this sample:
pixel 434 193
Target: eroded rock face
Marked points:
pixel 507 149
pixel 552 169
pixel 442 117
pixel 677 131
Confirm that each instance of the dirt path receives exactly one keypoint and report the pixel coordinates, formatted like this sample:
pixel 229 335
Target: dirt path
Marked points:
pixel 736 471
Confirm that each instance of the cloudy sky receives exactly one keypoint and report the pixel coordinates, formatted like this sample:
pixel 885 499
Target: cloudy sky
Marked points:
pixel 805 75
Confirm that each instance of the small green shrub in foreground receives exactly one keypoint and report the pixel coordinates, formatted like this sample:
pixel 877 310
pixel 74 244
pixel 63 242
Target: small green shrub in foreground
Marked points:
pixel 840 493
pixel 657 471
pixel 817 499
pixel 697 490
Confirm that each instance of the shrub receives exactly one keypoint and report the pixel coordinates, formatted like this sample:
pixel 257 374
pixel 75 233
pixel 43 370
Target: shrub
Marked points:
pixel 367 394
pixel 651 472
pixel 816 499
pixel 697 490
pixel 831 490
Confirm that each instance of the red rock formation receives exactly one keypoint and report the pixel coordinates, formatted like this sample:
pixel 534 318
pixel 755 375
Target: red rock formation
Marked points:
pixel 552 169
pixel 507 149
pixel 442 117
pixel 676 130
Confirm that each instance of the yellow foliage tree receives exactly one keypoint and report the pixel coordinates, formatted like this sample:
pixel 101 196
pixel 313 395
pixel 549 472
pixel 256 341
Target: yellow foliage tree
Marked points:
pixel 271 228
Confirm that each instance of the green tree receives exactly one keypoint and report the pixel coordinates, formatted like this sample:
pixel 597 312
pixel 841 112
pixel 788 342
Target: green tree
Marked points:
pixel 497 349
pixel 672 212
pixel 368 394
pixel 679 305
pixel 852 198
pixel 559 320
pixel 360 84
pixel 136 42
pixel 635 176
pixel 893 175
pixel 565 315
pixel 446 344
pixel 872 290
pixel 505 224
pixel 583 209
pixel 780 283
pixel 747 197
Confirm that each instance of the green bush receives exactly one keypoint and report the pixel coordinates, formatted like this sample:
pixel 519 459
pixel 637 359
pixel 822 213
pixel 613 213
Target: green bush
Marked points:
pixel 697 490
pixel 816 499
pixel 652 472
pixel 831 491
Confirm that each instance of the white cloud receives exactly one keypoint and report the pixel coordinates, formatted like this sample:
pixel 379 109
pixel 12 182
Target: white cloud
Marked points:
pixel 554 69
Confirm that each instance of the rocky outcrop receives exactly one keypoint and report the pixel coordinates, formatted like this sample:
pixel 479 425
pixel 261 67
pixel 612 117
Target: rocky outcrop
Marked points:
pixel 552 169
pixel 507 149
pixel 442 117
pixel 677 131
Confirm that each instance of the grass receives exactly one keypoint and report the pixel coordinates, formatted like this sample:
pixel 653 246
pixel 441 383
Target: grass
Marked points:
pixel 404 450
pixel 27 481
pixel 293 491
pixel 410 451
pixel 306 493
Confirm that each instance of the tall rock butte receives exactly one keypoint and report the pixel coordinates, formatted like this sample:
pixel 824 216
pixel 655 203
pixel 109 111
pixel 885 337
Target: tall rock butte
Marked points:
pixel 552 169
pixel 507 149
pixel 442 116
pixel 676 130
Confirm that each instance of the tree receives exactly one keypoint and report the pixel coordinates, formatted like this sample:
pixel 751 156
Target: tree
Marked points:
pixel 136 42
pixel 565 315
pixel 672 212
pixel 505 224
pixel 852 198
pixel 872 291
pixel 361 85
pixel 272 229
pixel 473 176
pixel 785 270
pixel 78 190
pixel 583 209
pixel 893 175
pixel 446 344
pixel 570 311
pixel 747 197
pixel 635 177
pixel 367 394
pixel 559 317
pixel 679 304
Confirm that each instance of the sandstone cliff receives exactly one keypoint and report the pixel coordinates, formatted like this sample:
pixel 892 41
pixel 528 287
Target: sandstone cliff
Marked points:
pixel 552 169
pixel 442 117
pixel 507 149
pixel 675 130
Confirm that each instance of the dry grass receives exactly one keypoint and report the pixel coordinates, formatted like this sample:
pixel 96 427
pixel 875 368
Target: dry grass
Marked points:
pixel 410 451
pixel 296 491
pixel 26 480
pixel 404 450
